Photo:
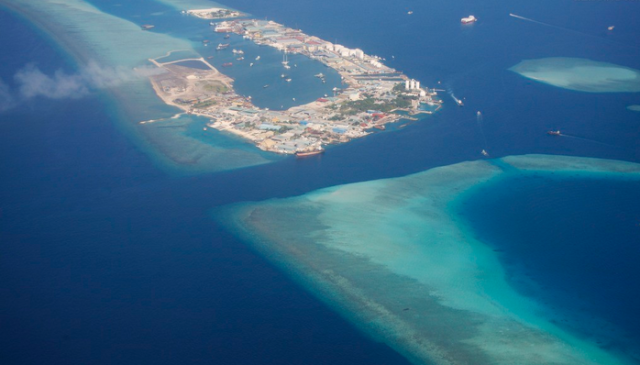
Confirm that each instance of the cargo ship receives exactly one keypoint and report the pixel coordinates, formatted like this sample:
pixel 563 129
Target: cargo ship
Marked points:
pixel 318 151
pixel 469 19
pixel 554 133
pixel 222 46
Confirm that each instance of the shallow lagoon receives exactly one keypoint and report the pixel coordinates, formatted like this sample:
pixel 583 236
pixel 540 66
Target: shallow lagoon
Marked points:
pixel 394 257
pixel 580 74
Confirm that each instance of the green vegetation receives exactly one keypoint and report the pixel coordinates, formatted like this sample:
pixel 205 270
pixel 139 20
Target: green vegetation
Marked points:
pixel 205 104
pixel 215 86
pixel 354 107
pixel 399 88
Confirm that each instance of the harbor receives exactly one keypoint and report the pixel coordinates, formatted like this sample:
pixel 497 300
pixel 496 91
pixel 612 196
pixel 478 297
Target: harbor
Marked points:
pixel 371 94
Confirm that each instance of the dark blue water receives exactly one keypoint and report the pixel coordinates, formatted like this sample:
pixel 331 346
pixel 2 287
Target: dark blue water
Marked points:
pixel 572 243
pixel 105 259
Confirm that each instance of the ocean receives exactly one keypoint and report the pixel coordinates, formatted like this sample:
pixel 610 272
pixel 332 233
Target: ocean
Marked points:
pixel 110 257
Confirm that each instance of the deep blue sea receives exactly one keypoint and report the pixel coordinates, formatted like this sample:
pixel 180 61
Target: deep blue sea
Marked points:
pixel 106 259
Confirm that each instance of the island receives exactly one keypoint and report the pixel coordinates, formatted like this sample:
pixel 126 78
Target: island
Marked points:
pixel 214 13
pixel 374 94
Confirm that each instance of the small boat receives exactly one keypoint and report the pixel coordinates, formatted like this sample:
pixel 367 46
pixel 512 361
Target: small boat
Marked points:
pixel 258 58
pixel 148 26
pixel 318 151
pixel 468 20
pixel 212 23
pixel 205 41
pixel 288 80
pixel 283 76
pixel 485 153
pixel 222 46
pixel 409 12
pixel 251 64
pixel 227 36
pixel 320 75
pixel 380 127
pixel 228 64
pixel 265 86
pixel 294 99
pixel 610 28
pixel 287 67
pixel 554 133
pixel 240 58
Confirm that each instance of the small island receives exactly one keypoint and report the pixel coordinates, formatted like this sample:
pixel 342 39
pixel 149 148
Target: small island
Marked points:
pixel 374 94
pixel 214 13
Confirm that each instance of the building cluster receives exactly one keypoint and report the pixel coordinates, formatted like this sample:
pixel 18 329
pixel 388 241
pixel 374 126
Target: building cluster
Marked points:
pixel 376 95
pixel 339 57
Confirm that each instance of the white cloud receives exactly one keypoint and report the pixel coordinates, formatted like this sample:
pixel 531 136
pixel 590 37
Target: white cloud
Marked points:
pixel 32 82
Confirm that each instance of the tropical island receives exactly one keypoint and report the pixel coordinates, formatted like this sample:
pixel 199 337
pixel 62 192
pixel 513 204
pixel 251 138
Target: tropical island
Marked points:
pixel 374 94
pixel 214 13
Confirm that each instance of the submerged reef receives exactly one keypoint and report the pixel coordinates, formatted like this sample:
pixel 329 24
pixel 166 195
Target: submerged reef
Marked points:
pixel 580 74
pixel 113 45
pixel 394 257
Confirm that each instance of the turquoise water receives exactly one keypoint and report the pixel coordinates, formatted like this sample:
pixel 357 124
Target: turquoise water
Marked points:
pixel 397 251
pixel 135 271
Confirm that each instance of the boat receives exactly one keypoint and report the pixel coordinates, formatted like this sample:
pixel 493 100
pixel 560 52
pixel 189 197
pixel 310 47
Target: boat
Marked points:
pixel 320 75
pixel 240 58
pixel 287 67
pixel 610 28
pixel 251 64
pixel 212 24
pixel 210 57
pixel 285 61
pixel 469 19
pixel 409 12
pixel 283 76
pixel 458 101
pixel 554 133
pixel 237 51
pixel 380 127
pixel 227 36
pixel 258 58
pixel 265 86
pixel 485 153
pixel 318 151
pixel 205 41
pixel 288 80
pixel 222 46
pixel 148 26
pixel 228 64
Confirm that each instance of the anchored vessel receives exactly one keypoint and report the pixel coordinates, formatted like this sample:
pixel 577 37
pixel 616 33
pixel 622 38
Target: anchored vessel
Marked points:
pixel 469 19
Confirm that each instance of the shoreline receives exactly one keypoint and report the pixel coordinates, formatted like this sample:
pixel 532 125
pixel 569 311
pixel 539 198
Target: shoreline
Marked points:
pixel 372 98
pixel 400 289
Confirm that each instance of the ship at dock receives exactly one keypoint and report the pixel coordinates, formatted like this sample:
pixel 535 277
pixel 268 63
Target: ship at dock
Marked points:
pixel 308 153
